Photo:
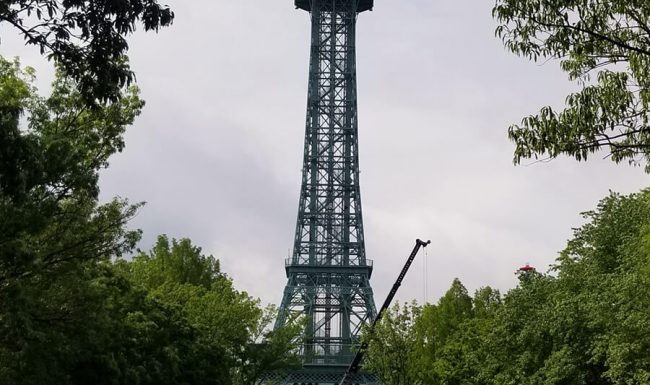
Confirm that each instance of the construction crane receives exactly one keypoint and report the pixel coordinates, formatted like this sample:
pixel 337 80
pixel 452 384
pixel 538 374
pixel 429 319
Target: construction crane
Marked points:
pixel 356 362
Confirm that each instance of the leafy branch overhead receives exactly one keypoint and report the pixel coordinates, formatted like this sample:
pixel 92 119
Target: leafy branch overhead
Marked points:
pixel 87 38
pixel 604 46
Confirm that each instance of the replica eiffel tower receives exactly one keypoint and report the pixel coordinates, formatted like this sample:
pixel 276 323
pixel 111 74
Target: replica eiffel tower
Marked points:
pixel 328 273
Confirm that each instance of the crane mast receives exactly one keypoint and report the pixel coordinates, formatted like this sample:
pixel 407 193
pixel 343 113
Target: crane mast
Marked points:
pixel 356 362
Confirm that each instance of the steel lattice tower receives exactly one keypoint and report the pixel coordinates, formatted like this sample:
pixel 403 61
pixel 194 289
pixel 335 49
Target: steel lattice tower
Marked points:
pixel 328 273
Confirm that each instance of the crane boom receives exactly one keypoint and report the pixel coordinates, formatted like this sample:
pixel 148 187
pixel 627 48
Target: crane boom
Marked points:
pixel 355 364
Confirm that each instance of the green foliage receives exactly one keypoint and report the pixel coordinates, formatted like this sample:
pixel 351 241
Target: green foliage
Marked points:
pixel 216 316
pixel 180 262
pixel 450 335
pixel 87 38
pixel 391 346
pixel 73 312
pixel 49 172
pixel 605 268
pixel 434 344
pixel 229 328
pixel 608 41
pixel 54 236
pixel 586 323
pixel 268 350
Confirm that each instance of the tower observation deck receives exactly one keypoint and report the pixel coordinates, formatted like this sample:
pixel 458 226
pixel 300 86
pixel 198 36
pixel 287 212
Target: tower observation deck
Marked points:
pixel 328 273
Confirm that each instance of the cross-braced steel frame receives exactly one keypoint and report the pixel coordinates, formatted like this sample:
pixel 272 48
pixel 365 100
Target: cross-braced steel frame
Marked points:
pixel 328 273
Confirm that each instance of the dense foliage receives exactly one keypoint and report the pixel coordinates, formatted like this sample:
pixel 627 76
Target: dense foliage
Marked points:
pixel 73 311
pixel 54 235
pixel 605 46
pixel 86 38
pixel 587 322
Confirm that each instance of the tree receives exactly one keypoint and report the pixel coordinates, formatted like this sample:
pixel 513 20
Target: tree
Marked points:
pixel 451 335
pixel 585 323
pixel 442 343
pixel 519 343
pixel 177 275
pixel 606 270
pixel 54 235
pixel 391 346
pixel 232 338
pixel 86 38
pixel 268 350
pixel 73 311
pixel 605 46
pixel 588 322
pixel 49 173
pixel 179 262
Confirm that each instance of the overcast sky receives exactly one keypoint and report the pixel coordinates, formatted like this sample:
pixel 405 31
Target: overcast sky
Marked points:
pixel 217 151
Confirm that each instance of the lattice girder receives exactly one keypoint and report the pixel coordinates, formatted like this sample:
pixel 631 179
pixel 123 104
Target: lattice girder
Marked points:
pixel 328 273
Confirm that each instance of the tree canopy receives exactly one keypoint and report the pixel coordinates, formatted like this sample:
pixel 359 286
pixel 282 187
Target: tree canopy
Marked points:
pixel 603 45
pixel 86 38
pixel 230 339
pixel 54 234
pixel 585 322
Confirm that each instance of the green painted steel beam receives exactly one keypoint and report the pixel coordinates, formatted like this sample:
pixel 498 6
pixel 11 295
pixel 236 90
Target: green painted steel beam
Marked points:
pixel 328 275
pixel 362 5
